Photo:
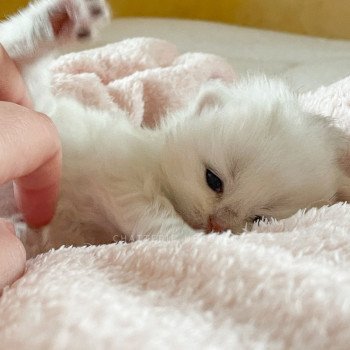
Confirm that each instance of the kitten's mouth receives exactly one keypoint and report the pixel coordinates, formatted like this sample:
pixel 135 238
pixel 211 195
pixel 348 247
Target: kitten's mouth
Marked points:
pixel 213 226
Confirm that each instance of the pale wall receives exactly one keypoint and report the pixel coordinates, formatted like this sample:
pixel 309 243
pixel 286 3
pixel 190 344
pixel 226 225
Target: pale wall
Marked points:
pixel 314 17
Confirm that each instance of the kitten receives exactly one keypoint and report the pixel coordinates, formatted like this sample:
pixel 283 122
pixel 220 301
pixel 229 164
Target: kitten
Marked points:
pixel 237 154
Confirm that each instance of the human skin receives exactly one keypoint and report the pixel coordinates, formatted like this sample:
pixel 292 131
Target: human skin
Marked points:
pixel 30 155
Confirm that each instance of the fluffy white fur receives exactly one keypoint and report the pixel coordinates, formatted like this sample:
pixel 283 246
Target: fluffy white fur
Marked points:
pixel 124 182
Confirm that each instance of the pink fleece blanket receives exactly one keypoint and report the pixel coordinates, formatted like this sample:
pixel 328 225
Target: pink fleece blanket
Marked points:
pixel 286 285
pixel 145 77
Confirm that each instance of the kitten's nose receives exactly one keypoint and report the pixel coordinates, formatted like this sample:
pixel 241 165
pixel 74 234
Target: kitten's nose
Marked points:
pixel 214 226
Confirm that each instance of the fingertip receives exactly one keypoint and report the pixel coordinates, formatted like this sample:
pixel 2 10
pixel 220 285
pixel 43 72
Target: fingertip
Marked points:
pixel 12 255
pixel 37 193
pixel 38 206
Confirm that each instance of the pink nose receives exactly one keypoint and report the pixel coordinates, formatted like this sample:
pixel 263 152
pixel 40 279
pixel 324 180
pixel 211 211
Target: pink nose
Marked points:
pixel 214 226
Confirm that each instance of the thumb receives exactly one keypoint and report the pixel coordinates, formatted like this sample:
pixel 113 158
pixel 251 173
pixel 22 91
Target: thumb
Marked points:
pixel 12 255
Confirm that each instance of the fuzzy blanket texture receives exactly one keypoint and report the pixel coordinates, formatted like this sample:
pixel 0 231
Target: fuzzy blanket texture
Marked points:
pixel 285 285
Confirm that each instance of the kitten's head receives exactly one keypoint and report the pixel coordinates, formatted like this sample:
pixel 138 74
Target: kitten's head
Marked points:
pixel 248 151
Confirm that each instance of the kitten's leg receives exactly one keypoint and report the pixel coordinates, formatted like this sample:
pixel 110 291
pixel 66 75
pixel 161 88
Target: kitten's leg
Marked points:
pixel 39 29
pixel 156 219
pixel 128 218
pixel 46 24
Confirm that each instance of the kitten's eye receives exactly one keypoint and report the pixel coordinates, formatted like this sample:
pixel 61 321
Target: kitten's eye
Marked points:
pixel 257 218
pixel 214 182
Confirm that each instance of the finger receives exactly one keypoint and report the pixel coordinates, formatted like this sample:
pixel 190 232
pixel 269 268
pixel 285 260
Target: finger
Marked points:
pixel 30 153
pixel 12 87
pixel 12 255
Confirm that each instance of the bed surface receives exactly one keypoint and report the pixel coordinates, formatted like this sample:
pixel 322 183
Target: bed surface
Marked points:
pixel 306 62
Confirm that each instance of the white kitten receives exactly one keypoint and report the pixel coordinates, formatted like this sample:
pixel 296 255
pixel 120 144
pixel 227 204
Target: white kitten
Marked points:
pixel 237 154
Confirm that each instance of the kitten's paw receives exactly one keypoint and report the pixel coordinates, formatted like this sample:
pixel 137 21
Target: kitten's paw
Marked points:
pixel 77 19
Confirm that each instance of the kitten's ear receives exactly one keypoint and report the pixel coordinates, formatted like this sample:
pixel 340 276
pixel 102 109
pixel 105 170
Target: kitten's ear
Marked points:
pixel 211 95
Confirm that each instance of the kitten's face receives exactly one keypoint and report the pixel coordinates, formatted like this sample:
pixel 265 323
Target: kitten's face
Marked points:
pixel 250 152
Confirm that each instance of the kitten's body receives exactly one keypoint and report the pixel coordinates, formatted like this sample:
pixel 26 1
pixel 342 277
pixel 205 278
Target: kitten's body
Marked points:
pixel 124 182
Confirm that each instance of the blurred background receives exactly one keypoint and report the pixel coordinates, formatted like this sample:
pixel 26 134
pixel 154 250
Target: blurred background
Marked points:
pixel 325 18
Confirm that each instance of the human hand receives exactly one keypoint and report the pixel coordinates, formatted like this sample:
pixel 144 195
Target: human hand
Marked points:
pixel 30 154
